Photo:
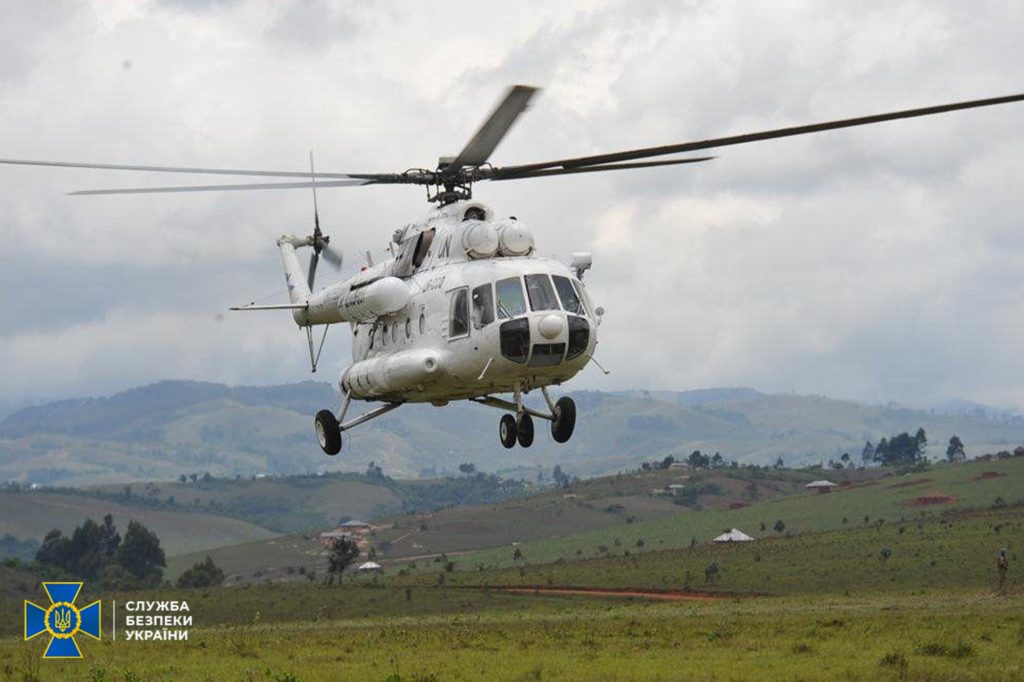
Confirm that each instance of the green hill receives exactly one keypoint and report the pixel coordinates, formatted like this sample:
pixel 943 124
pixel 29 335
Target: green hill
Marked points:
pixel 883 502
pixel 161 431
pixel 33 514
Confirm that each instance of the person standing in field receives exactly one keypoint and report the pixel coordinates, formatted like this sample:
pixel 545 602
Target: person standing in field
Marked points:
pixel 1004 565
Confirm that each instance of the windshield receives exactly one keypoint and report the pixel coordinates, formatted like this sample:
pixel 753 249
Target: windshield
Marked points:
pixel 510 297
pixel 566 292
pixel 542 296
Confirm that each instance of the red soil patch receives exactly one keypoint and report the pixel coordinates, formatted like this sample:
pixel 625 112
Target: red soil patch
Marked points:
pixel 907 484
pixel 929 499
pixel 988 474
pixel 658 595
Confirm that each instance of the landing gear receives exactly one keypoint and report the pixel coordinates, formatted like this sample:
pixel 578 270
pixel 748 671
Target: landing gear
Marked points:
pixel 329 428
pixel 565 419
pixel 328 432
pixel 524 430
pixel 517 427
pixel 507 430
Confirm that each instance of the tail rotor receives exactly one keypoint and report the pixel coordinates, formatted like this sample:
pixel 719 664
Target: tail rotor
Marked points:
pixel 319 241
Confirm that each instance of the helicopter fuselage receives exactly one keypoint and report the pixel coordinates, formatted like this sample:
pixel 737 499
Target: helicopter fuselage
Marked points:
pixel 463 309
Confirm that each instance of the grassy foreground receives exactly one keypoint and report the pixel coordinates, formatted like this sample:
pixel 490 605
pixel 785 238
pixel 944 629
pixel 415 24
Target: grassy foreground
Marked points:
pixel 938 636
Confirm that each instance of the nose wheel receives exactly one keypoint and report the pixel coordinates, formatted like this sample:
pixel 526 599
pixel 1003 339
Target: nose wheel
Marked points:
pixel 507 430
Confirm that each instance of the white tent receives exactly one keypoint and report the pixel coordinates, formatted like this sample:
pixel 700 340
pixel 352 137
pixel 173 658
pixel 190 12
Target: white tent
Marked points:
pixel 369 566
pixel 734 535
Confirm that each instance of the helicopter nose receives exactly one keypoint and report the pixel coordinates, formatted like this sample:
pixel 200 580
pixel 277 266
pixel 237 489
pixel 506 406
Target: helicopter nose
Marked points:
pixel 551 326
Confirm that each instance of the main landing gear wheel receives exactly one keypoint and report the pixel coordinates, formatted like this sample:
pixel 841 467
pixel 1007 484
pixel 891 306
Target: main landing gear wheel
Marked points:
pixel 524 430
pixel 328 432
pixel 565 419
pixel 507 430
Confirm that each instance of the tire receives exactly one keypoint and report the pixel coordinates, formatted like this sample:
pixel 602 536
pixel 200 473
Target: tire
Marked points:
pixel 328 432
pixel 507 430
pixel 524 430
pixel 564 422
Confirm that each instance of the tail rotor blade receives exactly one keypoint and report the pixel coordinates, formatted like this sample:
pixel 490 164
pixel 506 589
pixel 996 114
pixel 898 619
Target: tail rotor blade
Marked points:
pixel 314 257
pixel 332 256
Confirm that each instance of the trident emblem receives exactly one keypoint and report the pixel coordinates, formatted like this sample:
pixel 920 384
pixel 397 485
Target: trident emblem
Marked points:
pixel 62 620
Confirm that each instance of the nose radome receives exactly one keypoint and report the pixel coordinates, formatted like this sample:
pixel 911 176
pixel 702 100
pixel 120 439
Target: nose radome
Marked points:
pixel 551 326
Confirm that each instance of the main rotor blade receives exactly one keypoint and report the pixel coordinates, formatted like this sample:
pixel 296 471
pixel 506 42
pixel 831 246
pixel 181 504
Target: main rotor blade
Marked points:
pixel 332 256
pixel 500 174
pixel 175 169
pixel 220 188
pixel 482 145
pixel 648 152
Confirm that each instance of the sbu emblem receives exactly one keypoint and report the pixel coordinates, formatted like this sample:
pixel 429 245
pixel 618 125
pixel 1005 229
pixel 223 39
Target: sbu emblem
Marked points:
pixel 62 620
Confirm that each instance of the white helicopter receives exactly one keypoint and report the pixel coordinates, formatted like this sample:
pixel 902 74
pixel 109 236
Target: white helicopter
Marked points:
pixel 465 309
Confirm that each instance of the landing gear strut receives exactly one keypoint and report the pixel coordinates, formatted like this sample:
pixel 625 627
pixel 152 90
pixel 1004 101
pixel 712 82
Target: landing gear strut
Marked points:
pixel 328 427
pixel 518 427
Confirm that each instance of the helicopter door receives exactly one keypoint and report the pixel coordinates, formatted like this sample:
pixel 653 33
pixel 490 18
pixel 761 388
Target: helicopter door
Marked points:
pixel 458 315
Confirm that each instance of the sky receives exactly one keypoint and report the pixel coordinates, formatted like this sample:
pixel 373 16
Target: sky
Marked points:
pixel 877 264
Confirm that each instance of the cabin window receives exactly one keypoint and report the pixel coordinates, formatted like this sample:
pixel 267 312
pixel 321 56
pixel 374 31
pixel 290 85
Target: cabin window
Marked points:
pixel 510 297
pixel 394 332
pixel 542 296
pixel 570 299
pixel 483 306
pixel 384 335
pixel 408 328
pixel 423 323
pixel 458 319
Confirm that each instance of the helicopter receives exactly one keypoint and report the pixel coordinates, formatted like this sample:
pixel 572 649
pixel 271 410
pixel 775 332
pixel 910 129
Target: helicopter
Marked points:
pixel 465 308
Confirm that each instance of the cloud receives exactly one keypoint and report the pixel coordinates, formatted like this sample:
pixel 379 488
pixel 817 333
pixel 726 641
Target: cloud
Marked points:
pixel 873 264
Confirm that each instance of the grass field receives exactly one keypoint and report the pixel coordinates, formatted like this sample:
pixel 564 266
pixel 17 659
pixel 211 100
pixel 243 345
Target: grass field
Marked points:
pixel 820 605
pixel 931 637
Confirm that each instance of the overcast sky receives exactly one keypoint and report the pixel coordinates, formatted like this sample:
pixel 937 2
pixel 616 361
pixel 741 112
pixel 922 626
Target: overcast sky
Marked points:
pixel 877 264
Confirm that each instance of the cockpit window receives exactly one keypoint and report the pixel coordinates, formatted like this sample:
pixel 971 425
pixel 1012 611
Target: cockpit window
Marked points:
pixel 510 297
pixel 566 292
pixel 459 315
pixel 585 302
pixel 483 306
pixel 542 296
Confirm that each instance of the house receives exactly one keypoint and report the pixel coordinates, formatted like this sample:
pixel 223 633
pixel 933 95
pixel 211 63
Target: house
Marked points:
pixel 822 486
pixel 327 538
pixel 734 535
pixel 356 526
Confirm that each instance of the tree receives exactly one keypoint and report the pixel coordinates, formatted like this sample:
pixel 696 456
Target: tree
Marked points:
pixel 467 468
pixel 667 462
pixel 901 449
pixel 867 455
pixel 698 461
pixel 202 574
pixel 343 552
pixel 716 461
pixel 955 451
pixel 140 553
pixel 921 437
pixel 845 459
pixel 779 464
pixel 559 476
pixel 779 526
